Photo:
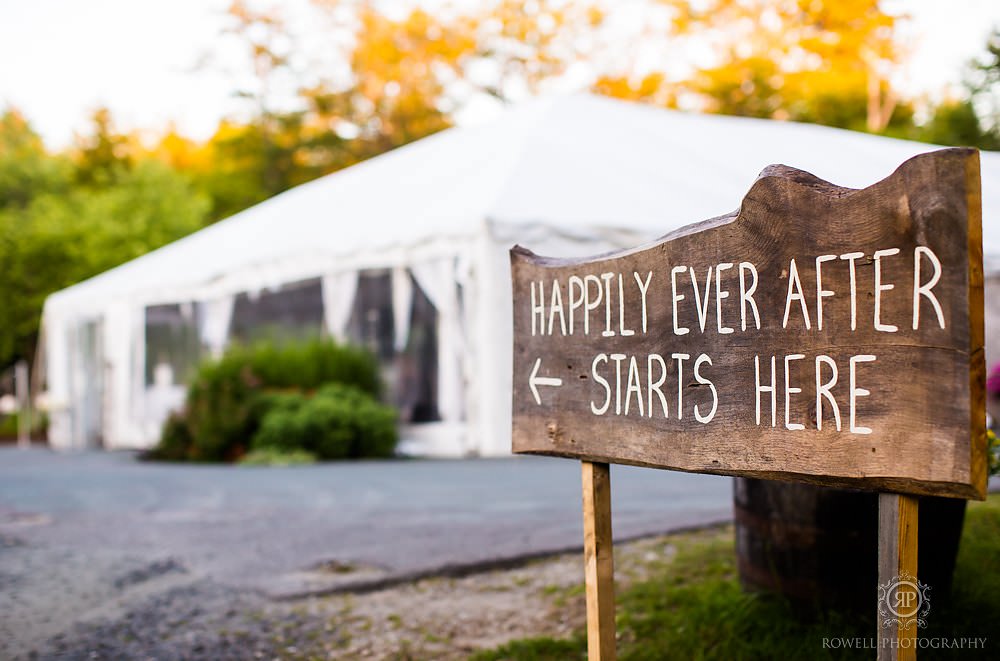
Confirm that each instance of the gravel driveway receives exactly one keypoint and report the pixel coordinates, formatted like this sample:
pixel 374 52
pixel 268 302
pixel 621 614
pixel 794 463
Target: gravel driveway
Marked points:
pixel 96 540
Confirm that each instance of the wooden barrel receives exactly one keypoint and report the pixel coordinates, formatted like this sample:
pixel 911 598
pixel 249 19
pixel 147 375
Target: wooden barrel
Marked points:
pixel 819 546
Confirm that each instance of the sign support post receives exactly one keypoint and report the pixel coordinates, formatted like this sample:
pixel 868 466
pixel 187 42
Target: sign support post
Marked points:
pixel 599 562
pixel 23 404
pixel 897 559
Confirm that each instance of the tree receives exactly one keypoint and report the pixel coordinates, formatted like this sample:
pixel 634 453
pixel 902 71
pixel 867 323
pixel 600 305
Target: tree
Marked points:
pixel 248 163
pixel 267 145
pixel 400 77
pixel 408 74
pixel 984 89
pixel 58 226
pixel 26 169
pixel 103 154
pixel 394 92
pixel 519 45
pixel 807 60
pixel 989 66
pixel 972 119
pixel 399 68
pixel 955 123
pixel 652 88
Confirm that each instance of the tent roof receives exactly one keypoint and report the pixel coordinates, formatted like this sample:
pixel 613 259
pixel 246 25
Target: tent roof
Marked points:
pixel 572 163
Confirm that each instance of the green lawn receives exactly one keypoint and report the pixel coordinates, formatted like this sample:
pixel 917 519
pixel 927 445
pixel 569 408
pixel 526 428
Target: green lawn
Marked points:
pixel 692 607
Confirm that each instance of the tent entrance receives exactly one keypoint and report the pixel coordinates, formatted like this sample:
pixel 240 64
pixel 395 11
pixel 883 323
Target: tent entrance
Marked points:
pixel 407 352
pixel 87 369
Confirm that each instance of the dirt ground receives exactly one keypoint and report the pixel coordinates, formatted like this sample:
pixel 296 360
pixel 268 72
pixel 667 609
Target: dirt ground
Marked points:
pixel 433 618
pixel 450 618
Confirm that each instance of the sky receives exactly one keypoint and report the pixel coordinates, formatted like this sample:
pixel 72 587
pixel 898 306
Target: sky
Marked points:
pixel 60 59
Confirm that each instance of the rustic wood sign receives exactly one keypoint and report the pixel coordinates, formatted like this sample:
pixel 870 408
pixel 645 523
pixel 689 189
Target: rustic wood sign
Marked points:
pixel 819 334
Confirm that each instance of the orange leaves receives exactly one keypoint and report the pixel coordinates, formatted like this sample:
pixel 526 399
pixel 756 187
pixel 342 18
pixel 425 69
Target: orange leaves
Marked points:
pixel 827 61
pixel 531 41
pixel 651 88
pixel 408 56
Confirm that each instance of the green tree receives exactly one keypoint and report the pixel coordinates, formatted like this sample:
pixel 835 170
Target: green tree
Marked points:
pixel 103 154
pixel 248 163
pixel 955 123
pixel 262 153
pixel 63 236
pixel 972 119
pixel 26 169
pixel 988 68
pixel 985 91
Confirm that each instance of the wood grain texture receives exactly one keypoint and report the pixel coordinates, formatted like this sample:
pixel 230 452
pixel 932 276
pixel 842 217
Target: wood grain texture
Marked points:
pixel 897 552
pixel 598 561
pixel 926 401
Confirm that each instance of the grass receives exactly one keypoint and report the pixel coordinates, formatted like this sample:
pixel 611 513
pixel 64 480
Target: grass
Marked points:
pixel 9 425
pixel 277 457
pixel 693 608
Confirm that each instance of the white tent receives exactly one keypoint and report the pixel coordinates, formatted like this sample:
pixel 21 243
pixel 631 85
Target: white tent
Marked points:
pixel 573 175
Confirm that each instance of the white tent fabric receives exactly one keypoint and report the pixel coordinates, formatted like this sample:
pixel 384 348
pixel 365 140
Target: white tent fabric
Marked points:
pixel 338 297
pixel 216 315
pixel 402 297
pixel 564 176
pixel 437 280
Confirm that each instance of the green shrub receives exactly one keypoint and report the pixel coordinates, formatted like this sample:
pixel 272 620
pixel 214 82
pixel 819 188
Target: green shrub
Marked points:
pixel 229 398
pixel 338 422
pixel 222 409
pixel 175 440
pixel 280 428
pixel 309 365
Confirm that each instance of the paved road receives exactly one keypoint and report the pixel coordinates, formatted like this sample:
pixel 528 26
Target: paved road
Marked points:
pixel 78 531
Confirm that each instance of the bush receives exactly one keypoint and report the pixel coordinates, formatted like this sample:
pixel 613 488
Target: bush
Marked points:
pixel 309 365
pixel 280 428
pixel 175 440
pixel 222 409
pixel 230 397
pixel 338 422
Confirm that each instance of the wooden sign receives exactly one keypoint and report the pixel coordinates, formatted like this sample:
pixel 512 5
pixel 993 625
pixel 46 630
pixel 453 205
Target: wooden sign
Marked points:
pixel 819 334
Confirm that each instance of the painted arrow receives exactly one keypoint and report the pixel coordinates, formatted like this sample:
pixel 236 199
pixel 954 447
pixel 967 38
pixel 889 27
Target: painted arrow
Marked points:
pixel 534 381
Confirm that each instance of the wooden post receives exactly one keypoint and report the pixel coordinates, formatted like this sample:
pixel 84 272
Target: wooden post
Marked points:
pixel 599 561
pixel 897 559
pixel 23 404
